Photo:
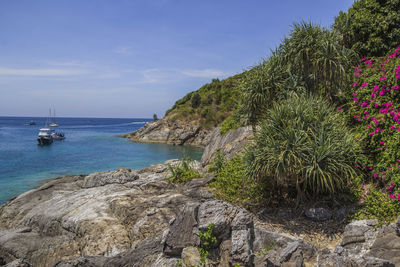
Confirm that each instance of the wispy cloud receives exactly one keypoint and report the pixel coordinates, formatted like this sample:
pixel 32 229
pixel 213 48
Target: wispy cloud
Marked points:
pixel 68 63
pixel 40 72
pixel 124 50
pixel 205 73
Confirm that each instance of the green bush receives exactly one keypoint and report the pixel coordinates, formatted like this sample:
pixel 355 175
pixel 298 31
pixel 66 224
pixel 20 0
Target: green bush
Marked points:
pixel 374 112
pixel 207 241
pixel 232 184
pixel 182 172
pixel 229 124
pixel 378 205
pixel 304 148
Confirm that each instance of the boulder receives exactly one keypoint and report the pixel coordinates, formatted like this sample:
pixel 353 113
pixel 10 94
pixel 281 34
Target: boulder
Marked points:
pixel 183 231
pixel 191 256
pixel 318 214
pixel 229 144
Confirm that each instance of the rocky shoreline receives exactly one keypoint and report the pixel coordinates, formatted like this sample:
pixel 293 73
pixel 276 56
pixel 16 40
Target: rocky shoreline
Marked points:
pixel 138 218
pixel 165 131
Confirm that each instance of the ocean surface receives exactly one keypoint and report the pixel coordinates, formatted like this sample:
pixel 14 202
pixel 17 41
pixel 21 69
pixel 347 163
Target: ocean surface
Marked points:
pixel 91 145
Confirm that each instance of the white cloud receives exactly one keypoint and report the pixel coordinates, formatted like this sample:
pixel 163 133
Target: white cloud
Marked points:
pixel 39 72
pixel 124 50
pixel 205 73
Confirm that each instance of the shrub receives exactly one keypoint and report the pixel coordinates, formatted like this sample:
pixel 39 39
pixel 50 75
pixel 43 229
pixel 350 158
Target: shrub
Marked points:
pixel 375 112
pixel 303 147
pixel 196 100
pixel 378 205
pixel 217 163
pixel 233 185
pixel 229 124
pixel 207 240
pixel 182 172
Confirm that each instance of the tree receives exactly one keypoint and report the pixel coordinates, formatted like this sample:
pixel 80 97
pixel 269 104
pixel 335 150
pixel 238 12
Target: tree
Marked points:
pixel 155 118
pixel 370 27
pixel 303 147
pixel 196 100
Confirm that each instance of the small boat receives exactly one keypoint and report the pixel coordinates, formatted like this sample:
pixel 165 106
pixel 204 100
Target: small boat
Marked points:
pixel 54 123
pixel 57 136
pixel 30 123
pixel 44 136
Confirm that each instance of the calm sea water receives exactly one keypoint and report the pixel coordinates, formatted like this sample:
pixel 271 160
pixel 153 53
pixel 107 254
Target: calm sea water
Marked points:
pixel 91 144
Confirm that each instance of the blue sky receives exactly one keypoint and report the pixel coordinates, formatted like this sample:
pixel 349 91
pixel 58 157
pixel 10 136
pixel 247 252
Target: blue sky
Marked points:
pixel 133 58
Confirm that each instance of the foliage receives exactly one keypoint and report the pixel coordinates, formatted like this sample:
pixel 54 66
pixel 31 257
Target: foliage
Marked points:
pixel 378 205
pixel 182 172
pixel 217 101
pixel 374 111
pixel 310 60
pixel 233 185
pixel 303 147
pixel 229 124
pixel 370 27
pixel 217 163
pixel 195 100
pixel 207 241
pixel 155 118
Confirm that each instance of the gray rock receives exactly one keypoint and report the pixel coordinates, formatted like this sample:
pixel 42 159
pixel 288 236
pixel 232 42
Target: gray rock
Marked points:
pixel 386 245
pixel 18 263
pixel 318 214
pixel 220 214
pixel 191 256
pixel 120 176
pixel 229 144
pixel 183 231
pixel 166 131
pixel 398 226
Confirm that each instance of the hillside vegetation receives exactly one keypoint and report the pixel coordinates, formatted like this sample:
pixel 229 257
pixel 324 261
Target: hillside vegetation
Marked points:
pixel 326 119
pixel 209 105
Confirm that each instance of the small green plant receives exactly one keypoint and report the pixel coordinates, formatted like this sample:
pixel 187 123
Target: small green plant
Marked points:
pixel 378 205
pixel 182 172
pixel 229 124
pixel 217 163
pixel 233 185
pixel 266 248
pixel 207 240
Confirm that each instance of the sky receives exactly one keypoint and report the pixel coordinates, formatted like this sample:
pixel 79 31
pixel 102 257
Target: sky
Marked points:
pixel 133 58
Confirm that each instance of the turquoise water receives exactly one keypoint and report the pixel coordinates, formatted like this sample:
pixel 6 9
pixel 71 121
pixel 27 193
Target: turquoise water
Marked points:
pixel 91 144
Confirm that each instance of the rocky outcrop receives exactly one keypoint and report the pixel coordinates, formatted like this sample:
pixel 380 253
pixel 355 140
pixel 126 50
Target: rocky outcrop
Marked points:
pixel 167 132
pixel 229 144
pixel 364 245
pixel 137 218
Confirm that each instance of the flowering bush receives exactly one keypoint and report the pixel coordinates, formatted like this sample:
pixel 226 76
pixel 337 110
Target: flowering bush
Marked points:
pixel 375 111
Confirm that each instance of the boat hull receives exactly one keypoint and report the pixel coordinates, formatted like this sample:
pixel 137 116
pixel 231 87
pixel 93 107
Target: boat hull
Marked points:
pixel 44 141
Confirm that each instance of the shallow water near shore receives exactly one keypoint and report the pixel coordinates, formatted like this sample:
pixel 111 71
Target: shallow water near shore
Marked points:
pixel 91 145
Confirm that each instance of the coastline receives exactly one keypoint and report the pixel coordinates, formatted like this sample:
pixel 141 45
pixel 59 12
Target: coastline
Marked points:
pixel 138 218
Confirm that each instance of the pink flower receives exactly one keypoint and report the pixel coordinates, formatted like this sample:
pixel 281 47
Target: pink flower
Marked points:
pixel 396 87
pixel 375 175
pixel 339 108
pixel 354 84
pixel 364 84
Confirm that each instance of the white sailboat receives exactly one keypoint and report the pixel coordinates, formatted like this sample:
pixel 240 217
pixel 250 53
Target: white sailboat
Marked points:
pixel 54 123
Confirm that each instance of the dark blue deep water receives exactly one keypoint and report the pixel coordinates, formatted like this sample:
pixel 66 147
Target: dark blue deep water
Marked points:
pixel 91 145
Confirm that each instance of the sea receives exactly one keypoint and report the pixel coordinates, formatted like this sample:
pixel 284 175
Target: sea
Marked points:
pixel 91 145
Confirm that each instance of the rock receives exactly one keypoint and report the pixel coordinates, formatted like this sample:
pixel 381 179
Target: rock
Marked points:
pixel 386 245
pixel 220 214
pixel 120 176
pixel 358 236
pixel 168 132
pixel 183 231
pixel 398 226
pixel 191 256
pixel 341 214
pixel 18 263
pixel 229 144
pixel 318 214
